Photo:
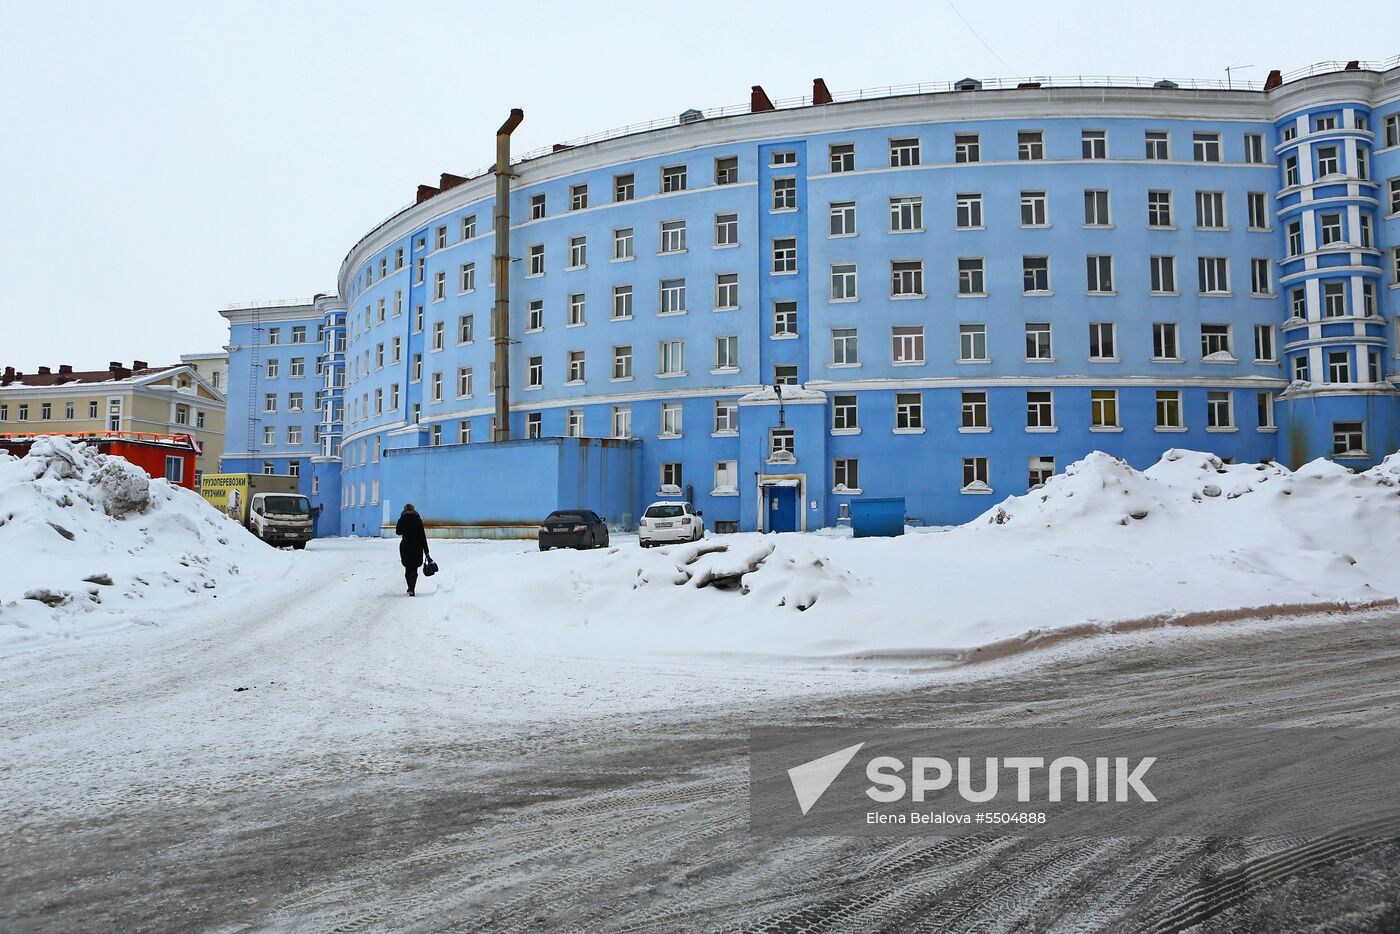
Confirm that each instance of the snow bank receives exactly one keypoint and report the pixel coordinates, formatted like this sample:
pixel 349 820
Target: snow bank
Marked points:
pixel 1100 544
pixel 89 542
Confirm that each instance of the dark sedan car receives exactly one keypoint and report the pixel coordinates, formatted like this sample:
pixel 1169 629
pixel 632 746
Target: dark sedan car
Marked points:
pixel 573 528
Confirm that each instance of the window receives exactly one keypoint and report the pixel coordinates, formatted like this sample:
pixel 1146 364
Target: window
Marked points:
pixel 296 402
pixel 1094 144
pixel 844 413
pixel 673 236
pixel 578 305
pixel 672 179
pixel 394 397
pixel 1264 401
pixel 1101 345
pixel 909 411
pixel 534 315
pixel 622 302
pixel 904 152
pixel 908 344
pixel 272 368
pixel 726 416
pixel 671 477
pixel 578 252
pixel 1348 438
pixel 537 207
pixel 299 332
pixel 1264 343
pixel 969 211
pixel 671 420
pixel 967 148
pixel 469 227
pixel 269 405
pixel 1103 408
pixel 726 477
pixel 1030 145
pixel 726 170
pixel 1322 124
pixel 92 410
pixel 534 372
pixel 269 435
pixel 1040 409
pixel 69 410
pixel 780 442
pixel 671 358
pixel 1213 275
pixel 1035 274
pixel 1096 208
pixel 785 319
pixel 1159 209
pixel 1157 144
pixel 440 238
pixel 578 197
pixel 1038 341
pixel 1392 130
pixel 1259 277
pixel 1328 162
pixel 1368 299
pixel 1210 210
pixel 1033 211
pixel 975 474
pixel 622 362
pixel 398 258
pixel 1254 148
pixel 783 157
pixel 1338 366
pixel 1290 171
pixel 1365 223
pixel 436 384
pixel 1169 409
pixel 1295 238
pixel 1165 345
pixel 784 194
pixel 534 425
pixel 468 277
pixel 464 382
pixel 972 343
pixel 906 214
pixel 845 475
pixel 1215 341
pixel 727 352
pixel 1163 274
pixel 1041 470
pixel 844 348
pixel 274 336
pixel 971 277
pixel 843 157
pixel 624 187
pixel 784 255
pixel 1331 227
pixel 726 230
pixel 726 290
pixel 536 260
pixel 1220 410
pixel 1334 299
pixel 672 296
pixel 1205 147
pixel 1100 273
pixel 1395 195
pixel 1300 368
pixel 1258 210
pixel 907 278
pixel 439 335
pixel 842 219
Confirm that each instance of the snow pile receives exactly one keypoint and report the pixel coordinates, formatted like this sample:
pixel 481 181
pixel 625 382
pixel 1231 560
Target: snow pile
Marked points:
pixel 91 543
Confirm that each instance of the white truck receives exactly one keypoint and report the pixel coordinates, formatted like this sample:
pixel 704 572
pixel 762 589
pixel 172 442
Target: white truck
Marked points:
pixel 268 505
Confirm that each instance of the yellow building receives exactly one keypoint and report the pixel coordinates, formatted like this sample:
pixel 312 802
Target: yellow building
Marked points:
pixel 139 398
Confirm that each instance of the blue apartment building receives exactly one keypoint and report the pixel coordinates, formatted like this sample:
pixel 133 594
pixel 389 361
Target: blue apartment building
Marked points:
pixel 945 295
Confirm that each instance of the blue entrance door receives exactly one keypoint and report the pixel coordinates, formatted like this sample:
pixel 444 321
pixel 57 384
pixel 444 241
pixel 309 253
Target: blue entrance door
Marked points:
pixel 782 509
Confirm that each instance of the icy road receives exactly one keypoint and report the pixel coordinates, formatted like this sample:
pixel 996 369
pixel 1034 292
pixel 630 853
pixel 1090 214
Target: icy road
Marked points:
pixel 329 755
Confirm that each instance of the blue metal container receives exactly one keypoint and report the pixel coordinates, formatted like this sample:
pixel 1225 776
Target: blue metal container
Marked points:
pixel 877 516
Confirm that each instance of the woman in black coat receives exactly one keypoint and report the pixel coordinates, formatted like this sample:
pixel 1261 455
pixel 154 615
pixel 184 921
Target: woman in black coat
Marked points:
pixel 413 547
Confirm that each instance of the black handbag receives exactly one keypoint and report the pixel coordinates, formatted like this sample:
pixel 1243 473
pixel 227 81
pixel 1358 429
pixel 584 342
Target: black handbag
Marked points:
pixel 429 566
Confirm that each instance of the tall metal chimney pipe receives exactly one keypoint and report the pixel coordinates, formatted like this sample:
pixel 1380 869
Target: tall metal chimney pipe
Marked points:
pixel 500 313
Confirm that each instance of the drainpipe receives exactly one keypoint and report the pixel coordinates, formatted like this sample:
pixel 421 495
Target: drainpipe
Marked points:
pixel 500 313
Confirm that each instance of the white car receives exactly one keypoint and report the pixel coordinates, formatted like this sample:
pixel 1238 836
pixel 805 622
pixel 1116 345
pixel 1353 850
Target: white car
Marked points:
pixel 664 523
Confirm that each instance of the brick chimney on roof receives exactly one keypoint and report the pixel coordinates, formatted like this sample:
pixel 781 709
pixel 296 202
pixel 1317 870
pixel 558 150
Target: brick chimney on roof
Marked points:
pixel 65 368
pixel 138 364
pixel 45 371
pixel 758 100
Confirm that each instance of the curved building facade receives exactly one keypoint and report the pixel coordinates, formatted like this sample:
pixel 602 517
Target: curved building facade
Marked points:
pixel 958 294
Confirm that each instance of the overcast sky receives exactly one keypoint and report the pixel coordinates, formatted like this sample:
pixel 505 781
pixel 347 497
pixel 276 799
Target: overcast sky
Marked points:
pixel 159 161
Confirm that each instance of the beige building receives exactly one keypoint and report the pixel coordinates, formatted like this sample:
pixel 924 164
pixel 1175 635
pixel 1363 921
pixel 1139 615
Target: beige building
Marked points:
pixel 213 367
pixel 139 398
